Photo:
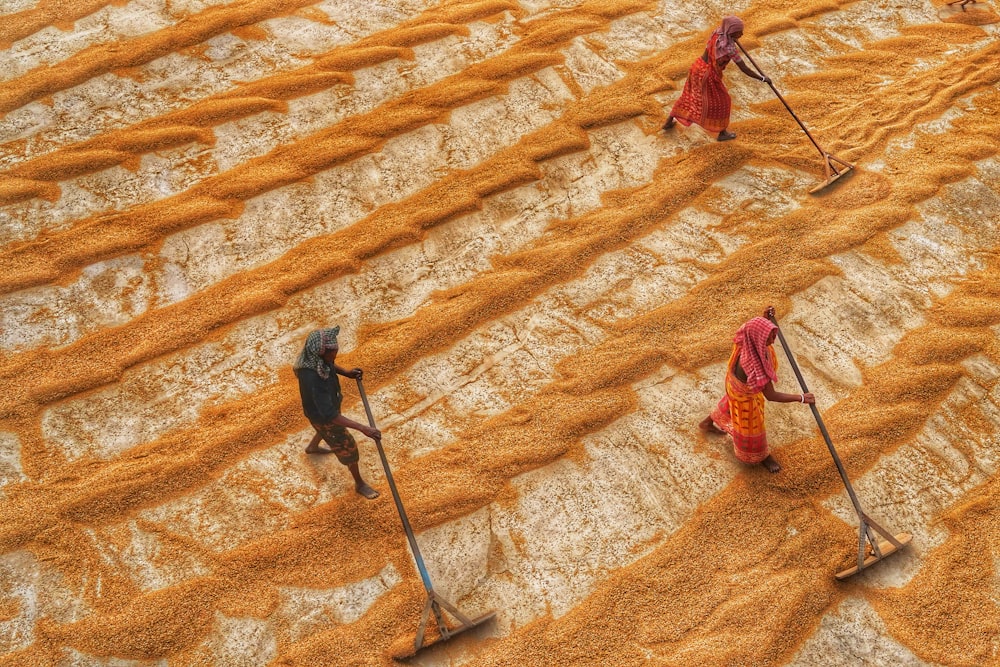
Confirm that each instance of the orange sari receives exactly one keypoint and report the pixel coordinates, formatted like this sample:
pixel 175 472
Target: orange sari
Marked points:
pixel 740 413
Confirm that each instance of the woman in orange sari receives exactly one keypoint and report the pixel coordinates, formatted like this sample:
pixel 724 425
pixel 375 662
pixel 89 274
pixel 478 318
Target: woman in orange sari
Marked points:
pixel 705 100
pixel 750 377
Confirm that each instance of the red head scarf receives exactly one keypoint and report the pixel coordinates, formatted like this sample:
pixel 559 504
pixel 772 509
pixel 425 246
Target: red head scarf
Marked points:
pixel 725 44
pixel 754 355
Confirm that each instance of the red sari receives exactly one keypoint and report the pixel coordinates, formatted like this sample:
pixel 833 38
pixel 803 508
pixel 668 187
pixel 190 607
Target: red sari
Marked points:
pixel 705 100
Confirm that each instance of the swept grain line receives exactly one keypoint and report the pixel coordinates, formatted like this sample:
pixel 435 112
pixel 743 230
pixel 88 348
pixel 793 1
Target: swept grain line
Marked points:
pixel 952 576
pixel 47 12
pixel 271 285
pixel 37 176
pixel 103 58
pixel 596 390
pixel 108 235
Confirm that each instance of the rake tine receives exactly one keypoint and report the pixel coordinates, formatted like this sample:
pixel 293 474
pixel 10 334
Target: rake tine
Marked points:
pixel 424 617
pixel 884 533
pixel 861 548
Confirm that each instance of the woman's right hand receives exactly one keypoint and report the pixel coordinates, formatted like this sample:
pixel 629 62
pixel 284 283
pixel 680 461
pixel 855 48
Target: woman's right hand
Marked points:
pixel 808 398
pixel 372 432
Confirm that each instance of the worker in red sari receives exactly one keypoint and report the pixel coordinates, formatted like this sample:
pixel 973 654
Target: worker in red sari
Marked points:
pixel 705 100
pixel 750 376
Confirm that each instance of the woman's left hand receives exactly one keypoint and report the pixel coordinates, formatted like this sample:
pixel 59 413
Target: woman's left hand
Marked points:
pixel 765 78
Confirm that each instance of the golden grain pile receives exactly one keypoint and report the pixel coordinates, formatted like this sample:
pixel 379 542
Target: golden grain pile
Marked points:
pixel 541 285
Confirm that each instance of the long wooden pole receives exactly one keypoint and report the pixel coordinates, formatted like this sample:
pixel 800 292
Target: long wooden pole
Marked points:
pixel 819 422
pixel 434 601
pixel 771 84
pixel 866 522
pixel 407 528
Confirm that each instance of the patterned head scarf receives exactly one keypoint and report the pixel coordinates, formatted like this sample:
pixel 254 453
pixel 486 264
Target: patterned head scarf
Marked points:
pixel 725 44
pixel 754 355
pixel 318 342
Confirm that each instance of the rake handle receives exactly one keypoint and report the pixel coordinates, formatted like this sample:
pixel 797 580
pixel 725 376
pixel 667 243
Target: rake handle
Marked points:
pixel 771 84
pixel 411 538
pixel 819 422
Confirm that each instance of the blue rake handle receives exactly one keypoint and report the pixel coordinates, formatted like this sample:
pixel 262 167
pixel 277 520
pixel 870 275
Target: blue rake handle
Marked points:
pixel 418 559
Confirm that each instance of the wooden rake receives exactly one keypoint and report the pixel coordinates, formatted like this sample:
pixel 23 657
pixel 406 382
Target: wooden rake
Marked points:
pixel 833 166
pixel 435 602
pixel 880 549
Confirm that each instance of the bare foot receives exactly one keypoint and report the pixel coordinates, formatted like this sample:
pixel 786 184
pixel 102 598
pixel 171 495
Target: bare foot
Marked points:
pixel 316 449
pixel 670 123
pixel 726 135
pixel 366 491
pixel 771 464
pixel 708 426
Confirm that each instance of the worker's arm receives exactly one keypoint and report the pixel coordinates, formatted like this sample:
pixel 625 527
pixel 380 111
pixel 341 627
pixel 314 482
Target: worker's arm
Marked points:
pixel 369 431
pixel 771 394
pixel 318 392
pixel 750 73
pixel 354 373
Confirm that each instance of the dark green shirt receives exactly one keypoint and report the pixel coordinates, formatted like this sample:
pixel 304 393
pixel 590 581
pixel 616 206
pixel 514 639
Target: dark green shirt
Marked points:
pixel 321 398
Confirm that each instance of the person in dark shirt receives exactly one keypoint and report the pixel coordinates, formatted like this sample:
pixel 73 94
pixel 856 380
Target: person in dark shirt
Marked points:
pixel 319 388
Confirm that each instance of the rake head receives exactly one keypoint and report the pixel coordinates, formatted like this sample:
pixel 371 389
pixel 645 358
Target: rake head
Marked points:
pixel 431 633
pixel 834 168
pixel 883 550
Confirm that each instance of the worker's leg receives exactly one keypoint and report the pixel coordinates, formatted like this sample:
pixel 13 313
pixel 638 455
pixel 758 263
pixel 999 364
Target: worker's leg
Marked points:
pixel 313 446
pixel 708 426
pixel 344 446
pixel 360 485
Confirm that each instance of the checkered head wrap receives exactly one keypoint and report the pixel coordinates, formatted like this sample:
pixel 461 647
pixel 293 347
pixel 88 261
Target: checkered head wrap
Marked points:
pixel 754 355
pixel 318 342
